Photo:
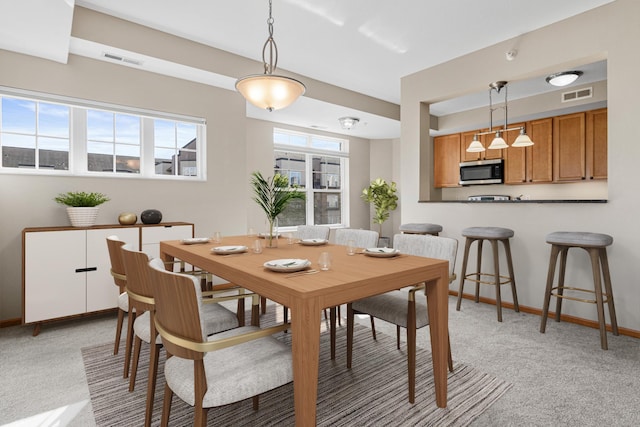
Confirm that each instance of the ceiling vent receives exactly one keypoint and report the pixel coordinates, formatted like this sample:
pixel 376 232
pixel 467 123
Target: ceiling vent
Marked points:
pixel 121 58
pixel 575 95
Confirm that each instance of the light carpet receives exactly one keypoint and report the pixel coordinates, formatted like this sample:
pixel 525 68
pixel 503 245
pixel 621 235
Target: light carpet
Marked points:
pixel 374 392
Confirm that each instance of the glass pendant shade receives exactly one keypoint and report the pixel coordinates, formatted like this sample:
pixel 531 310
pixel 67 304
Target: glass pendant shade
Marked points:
pixel 498 143
pixel 270 91
pixel 522 140
pixel 475 146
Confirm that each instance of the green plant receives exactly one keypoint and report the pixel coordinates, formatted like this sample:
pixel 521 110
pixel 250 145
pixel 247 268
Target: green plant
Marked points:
pixel 80 199
pixel 383 197
pixel 273 194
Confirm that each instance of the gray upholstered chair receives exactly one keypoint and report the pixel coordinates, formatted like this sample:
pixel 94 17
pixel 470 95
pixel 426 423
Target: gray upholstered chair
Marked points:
pixel 216 318
pixel 218 370
pixel 401 307
pixel 313 232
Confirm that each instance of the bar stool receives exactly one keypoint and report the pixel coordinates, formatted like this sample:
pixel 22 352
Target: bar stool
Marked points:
pixel 493 235
pixel 420 228
pixel 596 245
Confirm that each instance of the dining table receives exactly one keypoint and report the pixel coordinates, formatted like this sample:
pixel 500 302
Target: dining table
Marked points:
pixel 349 278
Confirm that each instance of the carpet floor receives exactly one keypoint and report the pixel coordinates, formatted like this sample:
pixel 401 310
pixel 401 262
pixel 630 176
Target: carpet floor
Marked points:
pixel 374 392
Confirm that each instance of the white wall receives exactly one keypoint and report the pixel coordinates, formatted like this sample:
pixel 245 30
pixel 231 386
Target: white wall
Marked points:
pixel 610 32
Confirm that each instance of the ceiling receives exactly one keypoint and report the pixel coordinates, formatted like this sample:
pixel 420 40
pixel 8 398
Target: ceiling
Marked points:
pixel 366 46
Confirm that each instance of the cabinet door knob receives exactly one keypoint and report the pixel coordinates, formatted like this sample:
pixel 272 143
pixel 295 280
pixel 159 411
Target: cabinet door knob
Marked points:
pixel 84 270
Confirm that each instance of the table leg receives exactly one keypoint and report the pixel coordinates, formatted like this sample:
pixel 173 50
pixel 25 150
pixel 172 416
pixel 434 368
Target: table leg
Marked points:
pixel 305 328
pixel 437 300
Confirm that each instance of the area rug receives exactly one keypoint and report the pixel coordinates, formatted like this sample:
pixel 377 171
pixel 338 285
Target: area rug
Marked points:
pixel 373 393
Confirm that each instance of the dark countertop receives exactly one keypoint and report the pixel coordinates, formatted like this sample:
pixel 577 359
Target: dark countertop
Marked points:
pixel 515 201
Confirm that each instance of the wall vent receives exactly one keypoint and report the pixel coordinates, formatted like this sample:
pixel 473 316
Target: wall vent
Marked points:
pixel 575 95
pixel 121 58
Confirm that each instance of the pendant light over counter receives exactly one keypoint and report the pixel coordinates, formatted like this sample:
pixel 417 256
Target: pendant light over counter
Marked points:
pixel 270 91
pixel 498 142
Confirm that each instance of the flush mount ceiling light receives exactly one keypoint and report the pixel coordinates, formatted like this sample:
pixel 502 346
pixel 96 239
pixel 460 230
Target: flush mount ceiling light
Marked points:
pixel 564 78
pixel 270 91
pixel 348 123
pixel 498 142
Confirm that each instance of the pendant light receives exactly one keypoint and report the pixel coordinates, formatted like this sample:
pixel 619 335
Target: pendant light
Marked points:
pixel 270 91
pixel 498 142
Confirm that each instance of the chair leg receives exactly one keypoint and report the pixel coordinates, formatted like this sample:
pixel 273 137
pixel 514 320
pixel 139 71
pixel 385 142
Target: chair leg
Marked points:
pixel 134 363
pixel 607 287
pixel 263 305
pixel 166 405
pixel 398 337
pixel 373 328
pixel 563 268
pixel 131 318
pixel 450 358
pixel 553 259
pixel 332 327
pixel 411 349
pixel 350 316
pixel 512 276
pixel 154 355
pixel 597 285
pixel 339 317
pixel 256 402
pixel 478 269
pixel 463 273
pixel 496 273
pixel 200 388
pixel 116 345
pixel 240 311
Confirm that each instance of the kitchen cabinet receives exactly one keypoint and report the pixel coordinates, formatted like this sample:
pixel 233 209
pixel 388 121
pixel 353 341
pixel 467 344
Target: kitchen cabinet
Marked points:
pixel 446 161
pixel 66 270
pixel 596 144
pixel 530 164
pixel 569 147
pixel 485 140
pixel 150 237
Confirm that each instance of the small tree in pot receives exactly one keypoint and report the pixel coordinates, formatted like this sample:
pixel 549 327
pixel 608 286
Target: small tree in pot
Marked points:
pixel 384 199
pixel 82 207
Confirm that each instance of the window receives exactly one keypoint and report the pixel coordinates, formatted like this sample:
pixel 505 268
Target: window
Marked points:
pixel 318 166
pixel 45 134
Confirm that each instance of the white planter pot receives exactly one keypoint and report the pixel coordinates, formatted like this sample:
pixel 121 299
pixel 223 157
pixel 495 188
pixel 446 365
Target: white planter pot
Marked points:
pixel 82 217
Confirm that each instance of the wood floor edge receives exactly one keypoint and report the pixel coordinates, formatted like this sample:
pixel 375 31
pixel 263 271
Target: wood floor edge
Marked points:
pixel 563 317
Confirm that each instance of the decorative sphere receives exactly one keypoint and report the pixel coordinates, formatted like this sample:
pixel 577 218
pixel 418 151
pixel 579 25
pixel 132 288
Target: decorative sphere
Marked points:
pixel 151 216
pixel 127 218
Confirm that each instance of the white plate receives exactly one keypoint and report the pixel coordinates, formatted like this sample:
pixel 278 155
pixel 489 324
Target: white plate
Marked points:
pixel 287 265
pixel 195 240
pixel 265 235
pixel 313 242
pixel 381 252
pixel 223 250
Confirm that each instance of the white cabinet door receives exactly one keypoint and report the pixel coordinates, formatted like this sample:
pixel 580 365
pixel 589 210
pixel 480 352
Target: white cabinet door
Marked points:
pixel 53 285
pixel 151 237
pixel 102 293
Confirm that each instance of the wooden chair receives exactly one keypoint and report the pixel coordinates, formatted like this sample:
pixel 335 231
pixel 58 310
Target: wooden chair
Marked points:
pixel 215 371
pixel 114 245
pixel 216 318
pixel 401 307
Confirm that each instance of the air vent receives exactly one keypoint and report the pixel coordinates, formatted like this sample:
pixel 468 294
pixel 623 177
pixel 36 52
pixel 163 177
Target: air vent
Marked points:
pixel 121 58
pixel 575 95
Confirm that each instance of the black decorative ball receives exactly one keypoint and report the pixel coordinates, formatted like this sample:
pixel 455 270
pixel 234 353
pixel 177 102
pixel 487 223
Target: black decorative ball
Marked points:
pixel 151 216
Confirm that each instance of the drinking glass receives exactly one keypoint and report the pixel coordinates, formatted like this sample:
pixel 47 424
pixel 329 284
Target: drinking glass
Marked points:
pixel 325 261
pixel 217 237
pixel 257 246
pixel 251 232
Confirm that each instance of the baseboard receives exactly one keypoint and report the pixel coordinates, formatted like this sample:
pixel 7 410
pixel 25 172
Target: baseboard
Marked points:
pixel 10 322
pixel 563 317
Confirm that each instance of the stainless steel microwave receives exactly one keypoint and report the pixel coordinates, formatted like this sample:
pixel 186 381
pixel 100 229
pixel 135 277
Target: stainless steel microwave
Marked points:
pixel 482 172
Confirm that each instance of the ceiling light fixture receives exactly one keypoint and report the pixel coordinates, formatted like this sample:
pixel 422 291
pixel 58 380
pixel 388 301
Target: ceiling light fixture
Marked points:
pixel 498 142
pixel 348 123
pixel 564 78
pixel 270 91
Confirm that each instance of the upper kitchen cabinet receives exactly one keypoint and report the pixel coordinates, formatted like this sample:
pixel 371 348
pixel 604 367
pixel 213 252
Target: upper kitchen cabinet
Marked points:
pixel 446 161
pixel 569 151
pixel 485 140
pixel 530 164
pixel 596 144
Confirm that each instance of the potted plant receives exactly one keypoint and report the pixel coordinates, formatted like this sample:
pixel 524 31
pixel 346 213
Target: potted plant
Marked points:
pixel 273 194
pixel 384 199
pixel 82 207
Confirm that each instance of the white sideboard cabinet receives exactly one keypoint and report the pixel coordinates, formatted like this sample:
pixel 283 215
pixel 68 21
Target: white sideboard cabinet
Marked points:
pixel 66 270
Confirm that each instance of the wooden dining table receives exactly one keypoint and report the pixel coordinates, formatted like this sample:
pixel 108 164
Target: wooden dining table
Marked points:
pixel 350 277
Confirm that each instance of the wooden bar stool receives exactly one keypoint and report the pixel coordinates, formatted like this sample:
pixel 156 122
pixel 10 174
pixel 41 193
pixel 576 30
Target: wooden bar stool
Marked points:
pixel 596 245
pixel 421 228
pixel 493 235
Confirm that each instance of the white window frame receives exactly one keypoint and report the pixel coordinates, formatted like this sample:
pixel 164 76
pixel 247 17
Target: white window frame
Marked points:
pixel 78 138
pixel 309 151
